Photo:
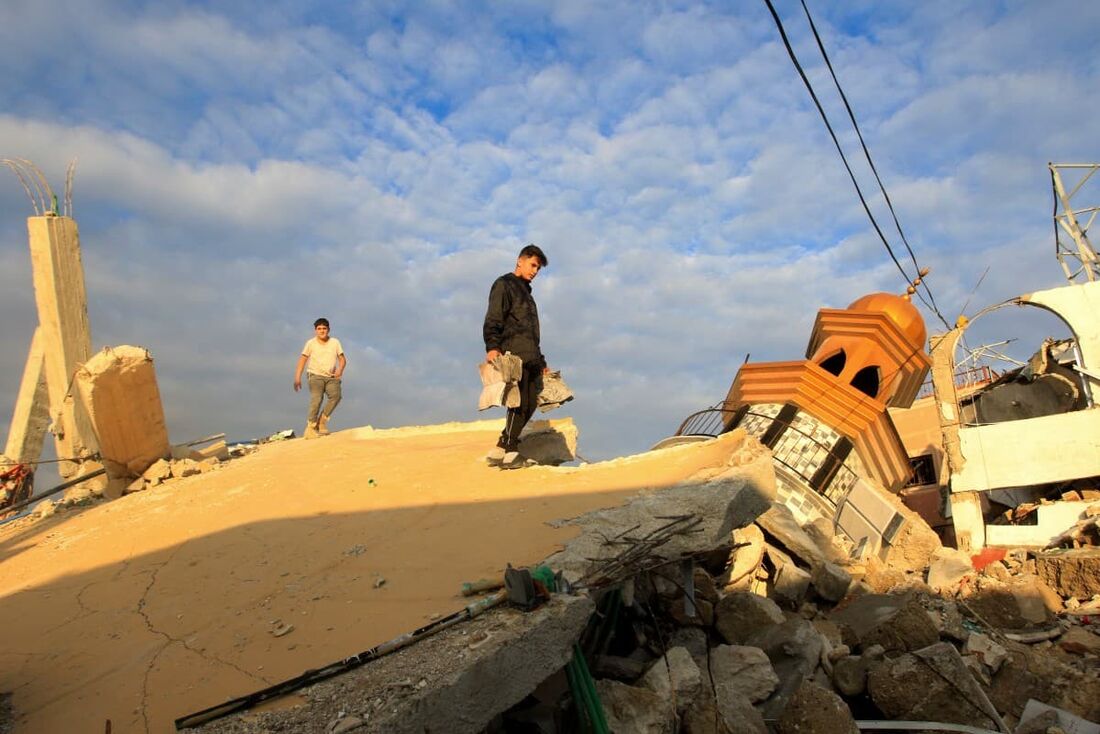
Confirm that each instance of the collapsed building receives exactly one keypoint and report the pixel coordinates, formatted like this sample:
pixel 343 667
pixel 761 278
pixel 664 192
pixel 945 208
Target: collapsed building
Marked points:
pixel 773 566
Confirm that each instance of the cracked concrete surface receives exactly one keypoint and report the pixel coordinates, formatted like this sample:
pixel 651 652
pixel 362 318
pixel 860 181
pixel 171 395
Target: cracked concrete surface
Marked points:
pixel 165 602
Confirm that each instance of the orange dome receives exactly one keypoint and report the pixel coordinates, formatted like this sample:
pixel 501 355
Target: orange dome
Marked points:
pixel 903 313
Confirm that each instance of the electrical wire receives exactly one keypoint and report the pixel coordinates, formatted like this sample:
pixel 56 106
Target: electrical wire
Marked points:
pixel 844 160
pixel 870 162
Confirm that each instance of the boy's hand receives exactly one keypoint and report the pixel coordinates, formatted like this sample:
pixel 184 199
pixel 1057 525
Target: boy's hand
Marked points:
pixel 297 384
pixel 491 355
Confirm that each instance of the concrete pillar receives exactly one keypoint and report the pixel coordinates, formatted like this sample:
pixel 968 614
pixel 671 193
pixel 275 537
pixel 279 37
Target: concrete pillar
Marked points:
pixel 119 389
pixel 966 507
pixel 66 336
pixel 969 522
pixel 31 416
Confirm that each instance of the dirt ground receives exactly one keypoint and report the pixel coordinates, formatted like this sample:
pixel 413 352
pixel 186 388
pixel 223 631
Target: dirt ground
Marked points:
pixel 171 600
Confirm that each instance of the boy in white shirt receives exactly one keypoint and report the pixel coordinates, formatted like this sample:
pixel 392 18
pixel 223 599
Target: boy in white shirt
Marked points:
pixel 326 365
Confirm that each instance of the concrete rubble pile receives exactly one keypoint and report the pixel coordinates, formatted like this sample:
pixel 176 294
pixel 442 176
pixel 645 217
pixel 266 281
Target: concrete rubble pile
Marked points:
pixel 705 608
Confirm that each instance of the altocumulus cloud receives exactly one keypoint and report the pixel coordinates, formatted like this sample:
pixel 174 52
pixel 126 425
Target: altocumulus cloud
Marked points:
pixel 244 171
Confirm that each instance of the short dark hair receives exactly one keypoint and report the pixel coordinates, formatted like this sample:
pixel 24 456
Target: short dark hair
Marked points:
pixel 321 322
pixel 533 250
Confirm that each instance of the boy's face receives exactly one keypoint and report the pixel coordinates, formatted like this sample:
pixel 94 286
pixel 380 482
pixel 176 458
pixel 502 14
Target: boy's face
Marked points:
pixel 528 267
pixel 322 332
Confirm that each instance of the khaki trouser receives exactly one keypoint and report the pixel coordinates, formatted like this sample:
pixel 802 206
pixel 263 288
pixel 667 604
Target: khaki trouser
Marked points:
pixel 321 386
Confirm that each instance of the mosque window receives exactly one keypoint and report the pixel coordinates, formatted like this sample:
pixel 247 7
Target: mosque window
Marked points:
pixel 834 363
pixel 866 381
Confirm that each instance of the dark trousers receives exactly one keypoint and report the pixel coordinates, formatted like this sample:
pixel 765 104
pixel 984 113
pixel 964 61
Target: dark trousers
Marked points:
pixel 530 384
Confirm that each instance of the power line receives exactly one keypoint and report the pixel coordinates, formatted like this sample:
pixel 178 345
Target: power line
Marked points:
pixel 844 159
pixel 867 154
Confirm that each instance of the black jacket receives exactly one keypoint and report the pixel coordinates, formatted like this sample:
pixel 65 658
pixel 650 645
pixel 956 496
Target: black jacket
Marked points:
pixel 512 320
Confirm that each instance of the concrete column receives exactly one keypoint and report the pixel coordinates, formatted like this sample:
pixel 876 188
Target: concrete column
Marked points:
pixel 66 335
pixel 969 522
pixel 32 408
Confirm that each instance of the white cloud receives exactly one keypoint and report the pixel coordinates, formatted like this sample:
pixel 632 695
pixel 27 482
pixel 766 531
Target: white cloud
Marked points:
pixel 242 173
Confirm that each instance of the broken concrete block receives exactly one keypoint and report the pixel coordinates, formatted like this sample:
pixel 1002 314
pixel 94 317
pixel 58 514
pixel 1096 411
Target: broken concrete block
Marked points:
pixel 830 581
pixel 743 672
pixel 118 388
pixel 794 649
pixel 136 486
pixel 704 586
pixel 1080 641
pixel 45 508
pixel 1071 573
pixel 730 500
pixel 630 709
pixel 742 614
pixel 217 450
pixel 815 710
pixel 550 442
pixel 694 640
pixel 895 622
pixel 184 468
pixel 949 567
pixel 1039 718
pixel 1022 602
pixel 674 677
pixel 986 650
pixel 789 582
pixel 619 668
pixel 157 472
pixel 207 465
pixel 744 560
pixel 780 523
pixel 932 684
pixel 850 675
pixel 708 716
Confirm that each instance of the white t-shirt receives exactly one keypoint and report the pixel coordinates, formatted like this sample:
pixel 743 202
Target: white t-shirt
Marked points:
pixel 322 356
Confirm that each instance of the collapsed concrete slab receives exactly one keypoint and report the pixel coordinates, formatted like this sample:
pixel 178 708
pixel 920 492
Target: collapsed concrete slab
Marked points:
pixel 894 622
pixel 456 681
pixel 118 387
pixel 713 503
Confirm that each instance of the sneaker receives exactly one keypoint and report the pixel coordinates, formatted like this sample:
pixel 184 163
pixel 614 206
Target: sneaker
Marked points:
pixel 311 431
pixel 494 457
pixel 512 460
pixel 322 425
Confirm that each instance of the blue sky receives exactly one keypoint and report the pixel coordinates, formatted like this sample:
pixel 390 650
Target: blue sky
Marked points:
pixel 244 168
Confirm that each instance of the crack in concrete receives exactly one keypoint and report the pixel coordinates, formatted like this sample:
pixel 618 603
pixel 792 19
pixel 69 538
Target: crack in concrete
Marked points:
pixel 170 640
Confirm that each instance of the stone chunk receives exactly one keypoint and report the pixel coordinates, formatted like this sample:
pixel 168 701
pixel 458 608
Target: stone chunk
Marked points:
pixel 735 714
pixel 745 560
pixel 674 677
pixel 932 684
pixel 789 583
pixel 1071 573
pixel 780 523
pixel 1080 641
pixel 118 387
pixel 742 614
pixel 986 650
pixel 830 581
pixel 815 710
pixel 895 622
pixel 743 672
pixel 185 468
pixel 949 567
pixel 850 675
pixel 1022 602
pixel 630 709
pixel 157 472
pixel 550 442
pixel 794 649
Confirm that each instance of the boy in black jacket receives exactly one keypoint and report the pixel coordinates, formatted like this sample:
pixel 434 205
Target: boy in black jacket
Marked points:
pixel 512 325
